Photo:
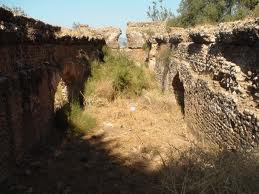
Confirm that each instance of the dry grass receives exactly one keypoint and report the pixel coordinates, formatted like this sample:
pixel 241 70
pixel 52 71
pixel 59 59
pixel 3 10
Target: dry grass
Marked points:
pixel 142 134
pixel 104 89
pixel 157 99
pixel 157 135
pixel 209 171
pixel 150 128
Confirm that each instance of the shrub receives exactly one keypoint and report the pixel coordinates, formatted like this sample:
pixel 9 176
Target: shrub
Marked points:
pixel 79 120
pixel 194 12
pixel 174 22
pixel 116 76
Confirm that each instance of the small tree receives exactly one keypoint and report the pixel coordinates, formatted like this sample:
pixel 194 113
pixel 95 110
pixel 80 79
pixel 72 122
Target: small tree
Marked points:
pixel 157 11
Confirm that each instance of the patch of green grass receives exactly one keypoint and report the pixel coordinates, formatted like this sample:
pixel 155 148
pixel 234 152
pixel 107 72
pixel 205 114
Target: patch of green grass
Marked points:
pixel 119 75
pixel 79 120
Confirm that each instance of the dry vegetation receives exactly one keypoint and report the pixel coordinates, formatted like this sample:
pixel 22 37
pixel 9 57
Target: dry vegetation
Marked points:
pixel 144 129
pixel 200 170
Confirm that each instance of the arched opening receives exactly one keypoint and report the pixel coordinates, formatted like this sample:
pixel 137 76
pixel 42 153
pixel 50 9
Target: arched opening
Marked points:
pixel 179 91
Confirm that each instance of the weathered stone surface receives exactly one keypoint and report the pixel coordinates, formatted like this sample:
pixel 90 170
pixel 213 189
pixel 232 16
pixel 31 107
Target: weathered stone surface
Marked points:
pixel 218 69
pixel 239 33
pixel 35 58
pixel 139 33
pixel 203 34
pixel 178 35
pixel 109 34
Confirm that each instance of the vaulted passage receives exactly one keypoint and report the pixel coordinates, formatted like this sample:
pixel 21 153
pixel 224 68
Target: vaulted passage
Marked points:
pixel 179 91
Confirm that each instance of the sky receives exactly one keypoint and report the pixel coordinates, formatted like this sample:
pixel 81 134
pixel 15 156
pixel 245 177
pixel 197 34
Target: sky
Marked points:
pixel 96 13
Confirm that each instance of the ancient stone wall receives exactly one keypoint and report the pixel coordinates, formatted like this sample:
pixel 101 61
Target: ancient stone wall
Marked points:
pixel 35 57
pixel 138 36
pixel 214 72
pixel 109 34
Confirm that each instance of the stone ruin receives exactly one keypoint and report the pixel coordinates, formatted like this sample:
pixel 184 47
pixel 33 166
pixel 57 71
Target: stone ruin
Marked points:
pixel 35 58
pixel 213 71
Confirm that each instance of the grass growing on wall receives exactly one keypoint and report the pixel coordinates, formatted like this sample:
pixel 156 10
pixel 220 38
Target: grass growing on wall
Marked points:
pixel 164 55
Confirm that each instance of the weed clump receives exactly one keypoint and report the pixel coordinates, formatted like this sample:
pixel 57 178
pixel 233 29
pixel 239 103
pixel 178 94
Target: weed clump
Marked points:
pixel 79 120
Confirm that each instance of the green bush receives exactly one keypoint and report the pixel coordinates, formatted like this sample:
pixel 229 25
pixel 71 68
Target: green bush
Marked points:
pixel 194 12
pixel 79 120
pixel 118 71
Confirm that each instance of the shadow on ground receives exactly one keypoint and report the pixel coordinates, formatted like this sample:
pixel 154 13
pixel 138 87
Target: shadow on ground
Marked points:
pixel 83 166
pixel 80 166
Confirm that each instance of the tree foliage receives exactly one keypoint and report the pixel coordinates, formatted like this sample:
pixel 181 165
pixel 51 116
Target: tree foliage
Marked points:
pixel 157 11
pixel 193 12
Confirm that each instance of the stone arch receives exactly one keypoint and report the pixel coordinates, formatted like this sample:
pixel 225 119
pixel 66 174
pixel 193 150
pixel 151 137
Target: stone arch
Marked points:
pixel 179 91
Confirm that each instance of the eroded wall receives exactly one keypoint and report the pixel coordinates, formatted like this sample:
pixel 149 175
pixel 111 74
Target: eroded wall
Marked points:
pixel 218 67
pixel 35 57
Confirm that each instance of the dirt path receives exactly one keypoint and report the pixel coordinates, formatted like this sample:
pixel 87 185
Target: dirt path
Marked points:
pixel 121 155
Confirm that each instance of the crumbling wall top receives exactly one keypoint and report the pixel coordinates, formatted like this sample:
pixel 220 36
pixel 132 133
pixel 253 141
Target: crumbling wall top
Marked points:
pixel 21 29
pixel 245 32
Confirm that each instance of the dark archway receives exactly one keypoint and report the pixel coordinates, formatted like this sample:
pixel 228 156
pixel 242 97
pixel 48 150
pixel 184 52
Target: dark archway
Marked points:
pixel 179 91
